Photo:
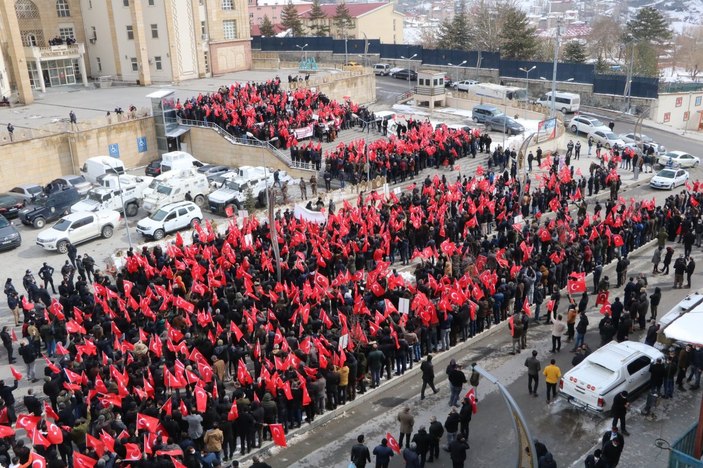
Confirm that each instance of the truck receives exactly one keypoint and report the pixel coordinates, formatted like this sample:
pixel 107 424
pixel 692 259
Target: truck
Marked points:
pixel 500 92
pixel 111 196
pixel 99 165
pixel 177 160
pixel 76 228
pixel 233 193
pixel 188 186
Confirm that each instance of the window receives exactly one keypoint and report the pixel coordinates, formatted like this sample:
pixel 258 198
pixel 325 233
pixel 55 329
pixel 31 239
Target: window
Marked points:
pixel 130 33
pixel 206 61
pixel 203 29
pixel 229 28
pixel 227 5
pixel 154 31
pixel 157 62
pixel 62 8
pixel 95 33
pixel 31 40
pixel 135 64
pixel 638 364
pixel 100 64
pixel 125 3
pixel 66 32
pixel 151 2
pixel 90 4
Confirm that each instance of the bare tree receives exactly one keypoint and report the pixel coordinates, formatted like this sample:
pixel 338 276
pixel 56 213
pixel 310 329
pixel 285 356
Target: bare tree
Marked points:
pixel 688 50
pixel 605 38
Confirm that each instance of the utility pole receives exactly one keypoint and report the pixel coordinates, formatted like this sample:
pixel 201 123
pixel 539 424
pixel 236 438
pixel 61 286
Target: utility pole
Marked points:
pixel 554 71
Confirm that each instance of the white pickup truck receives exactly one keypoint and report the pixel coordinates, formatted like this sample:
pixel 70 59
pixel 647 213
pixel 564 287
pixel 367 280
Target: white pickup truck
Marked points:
pixel 110 195
pixel 77 228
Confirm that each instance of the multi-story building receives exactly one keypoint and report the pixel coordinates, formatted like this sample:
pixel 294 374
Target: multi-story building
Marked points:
pixel 62 42
pixel 368 21
pixel 272 9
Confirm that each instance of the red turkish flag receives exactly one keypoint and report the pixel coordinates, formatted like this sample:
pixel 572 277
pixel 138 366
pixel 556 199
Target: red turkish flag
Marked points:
pixel 550 305
pixel 53 433
pixel 15 373
pixel 602 298
pixel 134 453
pixel 233 412
pixel 237 332
pixel 576 283
pixel 606 310
pixel 27 422
pixel 617 240
pixel 14 336
pixel 37 460
pixel 50 413
pixel 95 443
pixel 149 423
pixel 471 395
pixel 39 439
pixel 392 443
pixel 167 407
pixel 200 399
pixel 277 434
pixel 526 308
pixel 6 431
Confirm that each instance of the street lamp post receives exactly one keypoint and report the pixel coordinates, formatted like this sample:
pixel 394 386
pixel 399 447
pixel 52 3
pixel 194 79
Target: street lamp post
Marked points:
pixel 124 209
pixel 527 84
pixel 554 71
pixel 457 68
pixel 408 59
pixel 305 54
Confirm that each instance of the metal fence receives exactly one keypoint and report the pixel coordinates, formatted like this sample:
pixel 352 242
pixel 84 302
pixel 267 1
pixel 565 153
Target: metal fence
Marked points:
pixel 641 86
pixel 681 454
pixel 577 72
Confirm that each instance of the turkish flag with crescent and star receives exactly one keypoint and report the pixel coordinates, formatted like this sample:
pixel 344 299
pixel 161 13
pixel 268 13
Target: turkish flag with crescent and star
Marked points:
pixel 37 460
pixel 576 283
pixel 602 298
pixel 147 422
pixel 471 395
pixel 277 434
pixel 392 443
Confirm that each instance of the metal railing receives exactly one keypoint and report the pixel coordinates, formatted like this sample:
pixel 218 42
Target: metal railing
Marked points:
pixel 681 454
pixel 249 141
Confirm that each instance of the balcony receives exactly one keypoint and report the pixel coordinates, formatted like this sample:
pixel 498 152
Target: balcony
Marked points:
pixel 55 52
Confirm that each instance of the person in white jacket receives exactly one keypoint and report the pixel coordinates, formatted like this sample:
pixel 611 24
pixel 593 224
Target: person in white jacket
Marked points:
pixel 558 329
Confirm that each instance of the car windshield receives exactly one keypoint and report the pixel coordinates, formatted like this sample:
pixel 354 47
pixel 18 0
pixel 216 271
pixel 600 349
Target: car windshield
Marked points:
pixel 672 155
pixel 4 222
pixel 597 123
pixel 7 199
pixel 75 180
pixel 95 197
pixel 667 174
pixel 62 225
pixel 164 189
pixel 611 136
pixel 233 186
pixel 159 215
pixel 41 201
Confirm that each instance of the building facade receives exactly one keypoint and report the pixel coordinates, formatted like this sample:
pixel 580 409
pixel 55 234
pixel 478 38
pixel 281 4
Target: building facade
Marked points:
pixel 48 43
pixel 368 21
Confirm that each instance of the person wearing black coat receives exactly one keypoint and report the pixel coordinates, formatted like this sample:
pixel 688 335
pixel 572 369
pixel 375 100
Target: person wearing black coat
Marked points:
pixel 457 451
pixel 436 432
pixel 427 376
pixel 620 406
pixel 32 403
pixel 612 449
pixel 657 374
pixel 465 417
pixel 7 343
pixel 9 399
pixel 451 424
pixel 360 454
pixel 422 441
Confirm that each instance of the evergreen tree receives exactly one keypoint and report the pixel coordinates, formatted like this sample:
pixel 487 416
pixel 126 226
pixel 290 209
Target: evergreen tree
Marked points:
pixel 318 20
pixel 574 52
pixel 290 19
pixel 601 65
pixel 445 35
pixel 456 34
pixel 517 37
pixel 342 20
pixel 649 25
pixel 266 27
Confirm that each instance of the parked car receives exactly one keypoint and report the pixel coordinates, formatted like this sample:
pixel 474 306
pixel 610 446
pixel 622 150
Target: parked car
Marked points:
pixel 153 168
pixel 11 204
pixel 211 171
pixel 9 235
pixel 583 124
pixel 77 181
pixel 382 69
pixel 49 207
pixel 606 138
pixel 503 123
pixel 669 178
pixel 405 74
pixel 643 139
pixel 28 192
pixel 678 159
pixel 481 112
pixel 593 384
pixel 77 228
pixel 170 218
pixel 464 85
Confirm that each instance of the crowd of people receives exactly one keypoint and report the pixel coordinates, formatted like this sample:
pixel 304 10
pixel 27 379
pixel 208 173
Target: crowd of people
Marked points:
pixel 189 355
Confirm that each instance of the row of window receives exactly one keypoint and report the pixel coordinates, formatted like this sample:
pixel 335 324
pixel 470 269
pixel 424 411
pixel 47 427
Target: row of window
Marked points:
pixel 158 63
pixel 229 30
pixel 154 31
pixel 64 11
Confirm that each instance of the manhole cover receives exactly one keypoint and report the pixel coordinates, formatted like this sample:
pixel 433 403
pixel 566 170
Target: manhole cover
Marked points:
pixel 390 402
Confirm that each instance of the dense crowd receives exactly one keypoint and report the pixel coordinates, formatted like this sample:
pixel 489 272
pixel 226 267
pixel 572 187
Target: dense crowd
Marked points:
pixel 191 353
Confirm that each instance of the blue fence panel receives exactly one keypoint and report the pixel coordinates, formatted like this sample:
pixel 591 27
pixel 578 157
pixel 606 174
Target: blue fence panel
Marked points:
pixel 274 44
pixel 396 51
pixel 579 72
pixel 645 86
pixel 256 42
pixel 642 86
pixel 353 46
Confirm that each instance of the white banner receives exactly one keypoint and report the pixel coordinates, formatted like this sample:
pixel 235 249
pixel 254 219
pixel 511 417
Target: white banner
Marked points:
pixel 308 215
pixel 303 132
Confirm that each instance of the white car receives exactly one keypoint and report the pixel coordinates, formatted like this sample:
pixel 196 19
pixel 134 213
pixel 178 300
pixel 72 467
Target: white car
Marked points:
pixel 593 384
pixel 583 124
pixel 76 228
pixel 678 159
pixel 170 218
pixel 464 85
pixel 669 179
pixel 644 139
pixel 28 192
pixel 606 138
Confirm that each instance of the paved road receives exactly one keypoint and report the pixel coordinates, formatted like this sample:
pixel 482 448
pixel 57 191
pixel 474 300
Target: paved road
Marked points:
pixel 569 433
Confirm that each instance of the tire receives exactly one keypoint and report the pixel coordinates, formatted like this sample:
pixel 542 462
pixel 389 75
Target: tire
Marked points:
pixel 158 234
pixel 194 222
pixel 131 210
pixel 107 231
pixel 62 247
pixel 671 187
pixel 574 129
pixel 39 222
pixel 199 200
pixel 489 128
pixel 563 110
pixel 475 119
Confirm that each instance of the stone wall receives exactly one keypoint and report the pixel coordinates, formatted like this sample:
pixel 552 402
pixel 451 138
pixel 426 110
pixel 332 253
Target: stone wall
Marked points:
pixel 43 159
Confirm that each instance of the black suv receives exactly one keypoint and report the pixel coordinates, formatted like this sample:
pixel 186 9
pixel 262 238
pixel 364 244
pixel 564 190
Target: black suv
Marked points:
pixel 49 207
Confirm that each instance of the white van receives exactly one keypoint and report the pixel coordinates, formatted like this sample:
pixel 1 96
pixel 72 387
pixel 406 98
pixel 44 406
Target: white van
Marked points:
pixel 193 187
pixel 100 165
pixel 382 69
pixel 565 102
pixel 178 160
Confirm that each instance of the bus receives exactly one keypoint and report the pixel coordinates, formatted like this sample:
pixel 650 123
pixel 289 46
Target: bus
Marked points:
pixel 565 102
pixel 495 91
